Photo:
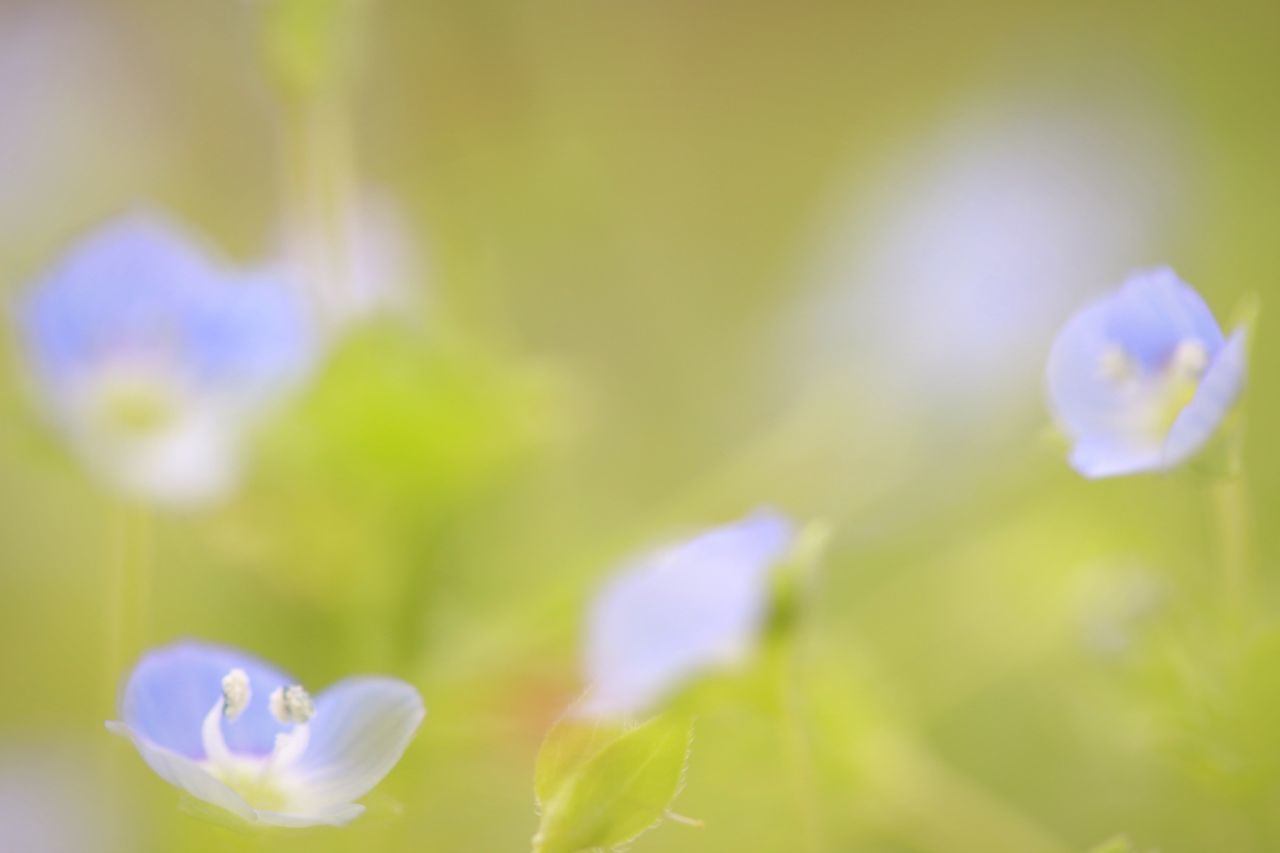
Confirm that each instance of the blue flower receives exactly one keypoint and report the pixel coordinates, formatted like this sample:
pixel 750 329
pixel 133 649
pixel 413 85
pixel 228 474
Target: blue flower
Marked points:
pixel 678 612
pixel 153 359
pixel 241 735
pixel 1140 379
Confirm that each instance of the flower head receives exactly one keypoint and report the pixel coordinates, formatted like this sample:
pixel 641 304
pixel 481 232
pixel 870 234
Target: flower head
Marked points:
pixel 152 359
pixel 201 718
pixel 685 609
pixel 1141 378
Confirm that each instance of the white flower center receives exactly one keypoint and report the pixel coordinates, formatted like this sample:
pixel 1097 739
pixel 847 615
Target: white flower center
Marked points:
pixel 263 781
pixel 134 399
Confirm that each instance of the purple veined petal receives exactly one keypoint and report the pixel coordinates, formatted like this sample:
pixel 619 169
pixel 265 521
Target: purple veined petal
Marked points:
pixel 682 610
pixel 1214 397
pixel 182 772
pixel 1153 312
pixel 172 689
pixel 361 728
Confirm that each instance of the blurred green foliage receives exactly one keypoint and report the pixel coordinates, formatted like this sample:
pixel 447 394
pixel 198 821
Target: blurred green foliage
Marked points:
pixel 618 201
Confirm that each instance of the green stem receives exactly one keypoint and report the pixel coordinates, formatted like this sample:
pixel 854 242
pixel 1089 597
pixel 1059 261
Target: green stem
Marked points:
pixel 796 653
pixel 1234 524
pixel 128 590
pixel 1232 514
pixel 799 759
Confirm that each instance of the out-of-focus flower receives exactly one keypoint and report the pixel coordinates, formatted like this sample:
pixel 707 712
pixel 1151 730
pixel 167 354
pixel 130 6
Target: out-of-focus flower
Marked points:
pixel 947 278
pixel 683 610
pixel 1140 379
pixel 153 359
pixel 241 735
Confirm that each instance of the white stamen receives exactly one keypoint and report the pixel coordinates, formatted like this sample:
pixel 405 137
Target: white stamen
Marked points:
pixel 288 748
pixel 1190 358
pixel 292 704
pixel 215 747
pixel 1114 364
pixel 236 693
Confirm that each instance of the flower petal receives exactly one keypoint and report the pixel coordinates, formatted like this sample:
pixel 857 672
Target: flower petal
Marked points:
pixel 141 289
pixel 1154 311
pixel 123 283
pixel 181 772
pixel 336 816
pixel 1082 399
pixel 172 689
pixel 1098 457
pixel 361 728
pixel 695 606
pixel 1214 397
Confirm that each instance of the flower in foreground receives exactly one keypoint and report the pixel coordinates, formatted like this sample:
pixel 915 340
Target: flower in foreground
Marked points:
pixel 241 735
pixel 689 608
pixel 1141 378
pixel 152 358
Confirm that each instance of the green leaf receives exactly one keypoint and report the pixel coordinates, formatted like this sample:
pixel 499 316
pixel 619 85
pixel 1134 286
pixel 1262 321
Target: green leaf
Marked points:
pixel 570 744
pixel 617 793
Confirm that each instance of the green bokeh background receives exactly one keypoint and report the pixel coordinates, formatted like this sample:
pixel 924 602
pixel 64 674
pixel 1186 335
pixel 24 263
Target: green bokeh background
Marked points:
pixel 617 202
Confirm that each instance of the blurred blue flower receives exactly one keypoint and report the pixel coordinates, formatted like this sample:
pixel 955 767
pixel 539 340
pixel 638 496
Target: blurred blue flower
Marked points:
pixel 241 735
pixel 152 359
pixel 685 609
pixel 1140 379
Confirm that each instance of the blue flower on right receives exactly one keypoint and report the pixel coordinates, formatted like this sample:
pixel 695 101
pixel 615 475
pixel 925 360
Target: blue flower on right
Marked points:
pixel 1141 378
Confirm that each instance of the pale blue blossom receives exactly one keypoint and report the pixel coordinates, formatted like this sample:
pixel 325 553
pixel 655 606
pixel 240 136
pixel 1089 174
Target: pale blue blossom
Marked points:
pixel 1140 379
pixel 678 612
pixel 241 735
pixel 153 358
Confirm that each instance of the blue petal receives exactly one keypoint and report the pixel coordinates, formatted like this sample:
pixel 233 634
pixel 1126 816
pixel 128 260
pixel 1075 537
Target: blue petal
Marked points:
pixel 172 689
pixel 1153 312
pixel 140 287
pixel 1120 427
pixel 1083 401
pixel 1098 457
pixel 182 772
pixel 1214 397
pixel 361 728
pixel 688 608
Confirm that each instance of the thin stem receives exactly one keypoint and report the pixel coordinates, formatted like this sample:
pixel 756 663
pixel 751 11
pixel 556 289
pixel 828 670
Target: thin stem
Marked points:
pixel 1234 524
pixel 799 758
pixel 128 591
pixel 796 652
pixel 1232 515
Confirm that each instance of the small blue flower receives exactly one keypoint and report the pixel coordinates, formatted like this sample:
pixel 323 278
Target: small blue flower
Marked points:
pixel 152 358
pixel 1140 379
pixel 241 735
pixel 683 610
